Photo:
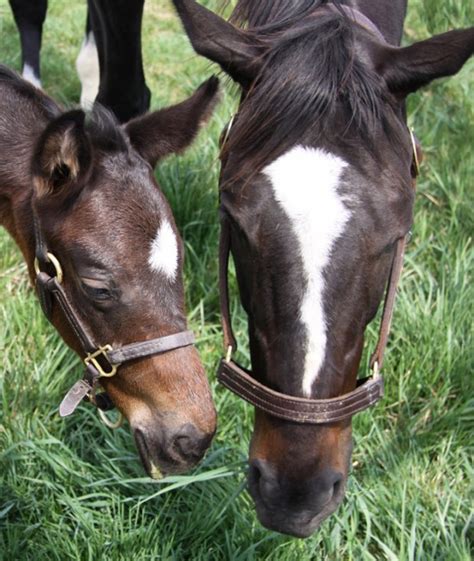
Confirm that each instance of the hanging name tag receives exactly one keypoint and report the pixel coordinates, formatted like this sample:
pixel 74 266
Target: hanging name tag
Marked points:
pixel 73 397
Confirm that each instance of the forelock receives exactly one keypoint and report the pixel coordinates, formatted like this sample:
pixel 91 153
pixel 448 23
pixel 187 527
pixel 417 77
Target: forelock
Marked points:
pixel 105 130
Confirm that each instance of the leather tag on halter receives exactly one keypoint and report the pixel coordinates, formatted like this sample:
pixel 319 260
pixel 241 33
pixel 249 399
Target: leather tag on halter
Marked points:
pixel 73 397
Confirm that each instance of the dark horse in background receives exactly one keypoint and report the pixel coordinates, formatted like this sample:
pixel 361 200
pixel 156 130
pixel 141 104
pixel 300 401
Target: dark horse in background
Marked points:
pixel 110 62
pixel 84 188
pixel 316 192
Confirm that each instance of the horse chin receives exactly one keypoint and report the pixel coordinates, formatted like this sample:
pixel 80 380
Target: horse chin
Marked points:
pixel 297 526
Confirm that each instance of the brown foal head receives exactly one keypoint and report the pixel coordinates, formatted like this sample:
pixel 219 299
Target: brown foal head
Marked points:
pixel 104 217
pixel 317 190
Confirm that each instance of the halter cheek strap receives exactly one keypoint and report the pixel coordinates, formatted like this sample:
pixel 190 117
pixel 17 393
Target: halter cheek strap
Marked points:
pixel 101 361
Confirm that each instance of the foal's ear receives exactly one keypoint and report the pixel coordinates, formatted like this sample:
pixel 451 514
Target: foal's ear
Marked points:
pixel 62 158
pixel 171 130
pixel 216 39
pixel 407 69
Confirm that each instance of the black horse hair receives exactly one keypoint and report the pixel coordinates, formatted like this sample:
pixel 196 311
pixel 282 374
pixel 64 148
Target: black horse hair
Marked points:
pixel 309 72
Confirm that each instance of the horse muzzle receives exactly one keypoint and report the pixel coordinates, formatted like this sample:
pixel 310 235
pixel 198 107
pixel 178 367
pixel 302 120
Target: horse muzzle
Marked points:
pixel 170 450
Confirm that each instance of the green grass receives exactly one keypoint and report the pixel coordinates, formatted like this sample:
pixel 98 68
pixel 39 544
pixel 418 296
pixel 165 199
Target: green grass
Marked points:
pixel 75 490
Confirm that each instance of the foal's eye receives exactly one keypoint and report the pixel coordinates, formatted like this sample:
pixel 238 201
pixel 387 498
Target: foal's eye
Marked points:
pixel 97 292
pixel 100 293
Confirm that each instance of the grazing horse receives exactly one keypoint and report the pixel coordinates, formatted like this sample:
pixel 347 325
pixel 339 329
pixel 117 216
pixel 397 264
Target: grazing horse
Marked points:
pixel 110 62
pixel 79 197
pixel 316 196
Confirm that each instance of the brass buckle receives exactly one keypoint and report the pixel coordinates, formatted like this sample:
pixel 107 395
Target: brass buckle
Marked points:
pixel 91 358
pixel 57 266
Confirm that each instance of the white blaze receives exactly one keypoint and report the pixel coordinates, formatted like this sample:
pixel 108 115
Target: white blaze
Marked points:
pixel 87 66
pixel 164 251
pixel 305 182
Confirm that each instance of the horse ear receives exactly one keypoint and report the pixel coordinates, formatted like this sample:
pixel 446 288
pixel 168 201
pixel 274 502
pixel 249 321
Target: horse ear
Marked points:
pixel 62 158
pixel 171 130
pixel 211 36
pixel 407 69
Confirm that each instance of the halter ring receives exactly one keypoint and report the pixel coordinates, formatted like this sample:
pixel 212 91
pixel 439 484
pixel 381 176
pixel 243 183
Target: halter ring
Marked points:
pixel 57 266
pixel 376 370
pixel 108 423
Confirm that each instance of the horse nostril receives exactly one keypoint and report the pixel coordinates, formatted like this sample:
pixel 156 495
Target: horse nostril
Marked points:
pixel 338 485
pixel 261 469
pixel 263 481
pixel 184 445
pixel 332 481
pixel 190 443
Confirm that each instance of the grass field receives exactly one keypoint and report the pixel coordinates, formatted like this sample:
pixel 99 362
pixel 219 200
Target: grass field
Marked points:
pixel 75 490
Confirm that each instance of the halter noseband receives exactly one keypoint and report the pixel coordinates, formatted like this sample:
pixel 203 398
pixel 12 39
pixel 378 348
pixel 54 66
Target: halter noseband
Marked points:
pixel 101 361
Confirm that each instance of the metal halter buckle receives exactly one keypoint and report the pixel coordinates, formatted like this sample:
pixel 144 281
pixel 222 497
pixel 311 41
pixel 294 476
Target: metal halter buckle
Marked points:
pixel 57 266
pixel 91 358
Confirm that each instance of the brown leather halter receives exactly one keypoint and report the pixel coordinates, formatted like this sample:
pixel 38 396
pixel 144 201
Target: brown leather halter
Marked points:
pixel 297 409
pixel 100 360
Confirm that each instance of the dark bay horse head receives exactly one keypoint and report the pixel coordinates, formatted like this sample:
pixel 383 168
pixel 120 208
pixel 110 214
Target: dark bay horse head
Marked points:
pixel 90 182
pixel 316 187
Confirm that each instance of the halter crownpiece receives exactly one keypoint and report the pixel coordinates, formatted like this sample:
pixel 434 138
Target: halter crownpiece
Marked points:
pixel 101 361
pixel 296 409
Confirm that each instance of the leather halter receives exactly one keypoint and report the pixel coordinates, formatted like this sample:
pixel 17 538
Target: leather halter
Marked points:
pixel 100 360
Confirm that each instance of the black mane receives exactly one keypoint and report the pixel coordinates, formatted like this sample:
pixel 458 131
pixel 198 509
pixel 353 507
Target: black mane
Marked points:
pixel 310 73
pixel 267 13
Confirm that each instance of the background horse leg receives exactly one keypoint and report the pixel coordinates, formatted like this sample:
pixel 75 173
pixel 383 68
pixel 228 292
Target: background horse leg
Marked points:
pixel 116 25
pixel 29 17
pixel 87 65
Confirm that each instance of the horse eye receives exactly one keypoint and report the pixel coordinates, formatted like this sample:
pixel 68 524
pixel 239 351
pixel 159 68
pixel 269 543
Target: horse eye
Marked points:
pixel 99 293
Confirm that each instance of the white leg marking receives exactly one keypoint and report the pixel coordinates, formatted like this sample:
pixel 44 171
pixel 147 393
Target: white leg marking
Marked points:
pixel 29 74
pixel 164 251
pixel 87 66
pixel 305 184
